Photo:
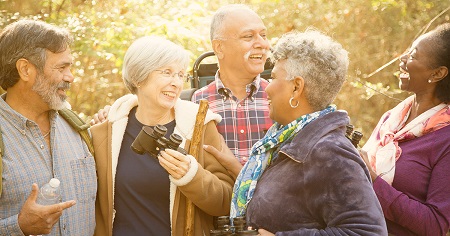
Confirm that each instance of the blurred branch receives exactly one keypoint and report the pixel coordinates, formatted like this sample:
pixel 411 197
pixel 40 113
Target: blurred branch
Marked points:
pixel 381 68
pixel 425 28
pixel 422 31
pixel 50 3
pixel 375 90
pixel 60 7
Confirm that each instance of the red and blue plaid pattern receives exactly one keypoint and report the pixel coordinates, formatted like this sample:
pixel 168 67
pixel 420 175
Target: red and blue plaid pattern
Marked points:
pixel 243 122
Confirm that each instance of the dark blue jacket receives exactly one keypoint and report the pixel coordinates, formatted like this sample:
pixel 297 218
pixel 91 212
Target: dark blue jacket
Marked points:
pixel 318 185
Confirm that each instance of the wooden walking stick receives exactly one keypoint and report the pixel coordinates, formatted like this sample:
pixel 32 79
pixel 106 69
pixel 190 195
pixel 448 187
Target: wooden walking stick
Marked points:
pixel 194 150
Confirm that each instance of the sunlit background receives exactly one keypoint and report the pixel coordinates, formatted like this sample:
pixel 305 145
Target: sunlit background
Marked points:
pixel 375 32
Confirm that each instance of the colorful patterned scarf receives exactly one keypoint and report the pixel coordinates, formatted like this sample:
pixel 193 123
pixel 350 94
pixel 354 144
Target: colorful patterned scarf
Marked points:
pixel 262 153
pixel 382 147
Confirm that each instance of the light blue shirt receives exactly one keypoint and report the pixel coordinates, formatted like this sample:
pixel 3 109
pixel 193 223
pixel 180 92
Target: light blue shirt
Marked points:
pixel 28 159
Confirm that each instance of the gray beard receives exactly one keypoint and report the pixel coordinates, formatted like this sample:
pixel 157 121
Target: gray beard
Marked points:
pixel 49 92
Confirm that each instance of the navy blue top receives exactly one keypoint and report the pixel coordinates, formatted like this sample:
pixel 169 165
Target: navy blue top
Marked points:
pixel 141 195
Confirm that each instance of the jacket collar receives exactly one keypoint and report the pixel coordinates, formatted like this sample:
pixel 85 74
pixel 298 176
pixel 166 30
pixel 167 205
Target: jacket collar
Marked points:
pixel 303 143
pixel 185 113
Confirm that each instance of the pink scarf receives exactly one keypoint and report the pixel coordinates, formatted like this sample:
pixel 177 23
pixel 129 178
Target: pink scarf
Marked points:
pixel 382 147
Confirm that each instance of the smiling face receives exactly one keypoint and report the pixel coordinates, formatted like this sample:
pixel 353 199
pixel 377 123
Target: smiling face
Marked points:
pixel 279 91
pixel 162 87
pixel 52 84
pixel 244 43
pixel 415 66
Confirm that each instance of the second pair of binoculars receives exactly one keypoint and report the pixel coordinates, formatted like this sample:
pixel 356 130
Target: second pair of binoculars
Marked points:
pixel 353 136
pixel 152 140
pixel 239 228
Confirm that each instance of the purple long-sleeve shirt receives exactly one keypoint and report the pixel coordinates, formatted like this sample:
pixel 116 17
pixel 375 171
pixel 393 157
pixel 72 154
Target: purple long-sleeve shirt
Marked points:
pixel 418 202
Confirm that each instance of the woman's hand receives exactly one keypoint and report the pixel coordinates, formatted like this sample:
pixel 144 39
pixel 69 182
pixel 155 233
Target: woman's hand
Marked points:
pixel 365 158
pixel 226 158
pixel 264 232
pixel 175 163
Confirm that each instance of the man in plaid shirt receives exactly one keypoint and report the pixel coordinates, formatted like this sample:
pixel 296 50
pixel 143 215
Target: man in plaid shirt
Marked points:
pixel 239 41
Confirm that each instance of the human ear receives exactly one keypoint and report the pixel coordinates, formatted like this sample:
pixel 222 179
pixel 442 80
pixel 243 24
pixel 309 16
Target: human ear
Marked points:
pixel 298 86
pixel 218 48
pixel 25 68
pixel 440 73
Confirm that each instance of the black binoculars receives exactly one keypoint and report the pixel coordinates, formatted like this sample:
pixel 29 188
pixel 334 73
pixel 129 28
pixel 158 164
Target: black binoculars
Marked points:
pixel 353 136
pixel 239 227
pixel 152 141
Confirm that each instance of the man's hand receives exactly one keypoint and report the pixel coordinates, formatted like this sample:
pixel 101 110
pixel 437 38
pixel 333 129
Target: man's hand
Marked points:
pixel 226 158
pixel 100 116
pixel 38 219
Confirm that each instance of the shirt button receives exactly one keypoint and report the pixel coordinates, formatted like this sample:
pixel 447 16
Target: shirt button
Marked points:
pixel 244 158
pixel 239 105
pixel 242 131
pixel 42 146
pixel 23 132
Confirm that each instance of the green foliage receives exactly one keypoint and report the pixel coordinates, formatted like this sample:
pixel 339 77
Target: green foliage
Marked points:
pixel 373 31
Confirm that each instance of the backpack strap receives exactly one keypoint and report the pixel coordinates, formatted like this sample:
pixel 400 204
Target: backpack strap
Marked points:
pixel 79 125
pixel 74 120
pixel 2 146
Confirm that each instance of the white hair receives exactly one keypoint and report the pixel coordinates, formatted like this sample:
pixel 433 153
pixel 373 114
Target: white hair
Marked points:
pixel 147 54
pixel 218 19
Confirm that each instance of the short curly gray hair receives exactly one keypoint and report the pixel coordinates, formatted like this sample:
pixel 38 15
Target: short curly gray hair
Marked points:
pixel 147 54
pixel 318 59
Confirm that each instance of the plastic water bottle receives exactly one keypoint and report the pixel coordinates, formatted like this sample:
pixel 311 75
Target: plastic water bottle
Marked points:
pixel 49 193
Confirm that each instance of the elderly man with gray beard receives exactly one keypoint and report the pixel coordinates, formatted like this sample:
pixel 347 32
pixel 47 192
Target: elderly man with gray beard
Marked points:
pixel 39 144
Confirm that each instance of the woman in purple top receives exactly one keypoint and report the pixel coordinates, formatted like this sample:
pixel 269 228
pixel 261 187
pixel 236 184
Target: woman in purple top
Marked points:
pixel 408 154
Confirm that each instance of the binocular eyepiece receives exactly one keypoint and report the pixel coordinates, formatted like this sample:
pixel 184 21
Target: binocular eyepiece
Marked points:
pixel 239 228
pixel 353 136
pixel 152 141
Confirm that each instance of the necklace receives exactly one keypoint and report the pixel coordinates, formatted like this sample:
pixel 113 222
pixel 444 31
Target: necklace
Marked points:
pixel 45 135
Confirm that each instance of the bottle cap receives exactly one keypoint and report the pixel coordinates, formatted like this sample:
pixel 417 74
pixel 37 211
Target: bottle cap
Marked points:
pixel 54 182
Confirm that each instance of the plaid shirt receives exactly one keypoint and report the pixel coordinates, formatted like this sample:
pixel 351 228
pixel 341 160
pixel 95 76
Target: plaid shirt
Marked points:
pixel 244 122
pixel 28 159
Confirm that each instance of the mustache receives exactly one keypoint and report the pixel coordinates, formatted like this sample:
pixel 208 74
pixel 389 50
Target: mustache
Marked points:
pixel 264 52
pixel 64 85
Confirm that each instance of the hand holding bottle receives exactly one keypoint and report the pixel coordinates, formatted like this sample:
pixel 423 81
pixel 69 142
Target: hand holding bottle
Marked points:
pixel 39 219
pixel 49 193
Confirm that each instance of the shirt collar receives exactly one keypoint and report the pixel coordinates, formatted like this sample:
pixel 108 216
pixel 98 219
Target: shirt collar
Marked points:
pixel 251 88
pixel 15 116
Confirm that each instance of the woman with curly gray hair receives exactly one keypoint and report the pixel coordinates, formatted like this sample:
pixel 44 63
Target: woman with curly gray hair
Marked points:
pixel 305 177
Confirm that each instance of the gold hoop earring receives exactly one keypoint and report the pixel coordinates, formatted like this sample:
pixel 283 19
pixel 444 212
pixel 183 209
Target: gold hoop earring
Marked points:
pixel 290 103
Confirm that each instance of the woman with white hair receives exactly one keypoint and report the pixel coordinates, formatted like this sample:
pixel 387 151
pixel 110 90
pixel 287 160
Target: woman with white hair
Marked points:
pixel 142 195
pixel 305 177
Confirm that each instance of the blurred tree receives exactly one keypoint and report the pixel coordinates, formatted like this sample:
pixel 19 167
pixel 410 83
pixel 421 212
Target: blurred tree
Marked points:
pixel 375 32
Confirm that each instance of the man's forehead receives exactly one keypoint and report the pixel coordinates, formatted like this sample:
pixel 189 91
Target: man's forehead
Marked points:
pixel 59 57
pixel 245 24
pixel 243 17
